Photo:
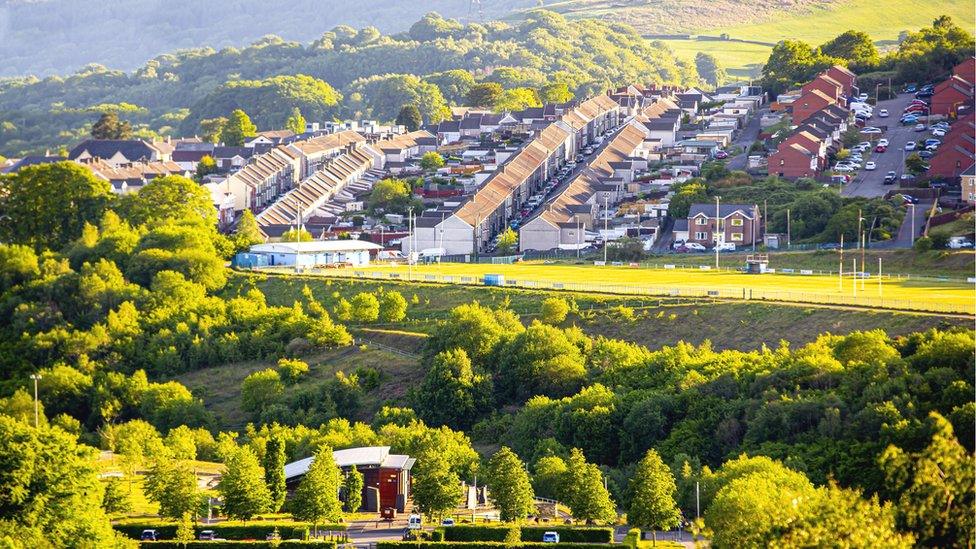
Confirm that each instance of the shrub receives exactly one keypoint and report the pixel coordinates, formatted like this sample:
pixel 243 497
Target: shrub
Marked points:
pixel 554 310
pixel 292 369
pixel 923 244
pixel 529 534
pixel 229 530
pixel 940 241
pixel 365 307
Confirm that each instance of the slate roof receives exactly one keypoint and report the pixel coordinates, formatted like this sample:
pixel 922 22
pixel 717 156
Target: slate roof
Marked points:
pixel 724 210
pixel 131 149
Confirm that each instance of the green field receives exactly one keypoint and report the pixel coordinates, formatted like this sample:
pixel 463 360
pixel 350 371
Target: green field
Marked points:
pixel 884 21
pixel 899 294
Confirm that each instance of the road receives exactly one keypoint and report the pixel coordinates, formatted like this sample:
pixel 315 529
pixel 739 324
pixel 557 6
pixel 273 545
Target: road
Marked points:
pixel 871 183
pixel 747 137
pixel 904 238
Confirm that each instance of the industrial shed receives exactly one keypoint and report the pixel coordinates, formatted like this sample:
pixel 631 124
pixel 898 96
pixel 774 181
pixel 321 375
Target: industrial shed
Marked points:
pixel 386 476
pixel 310 254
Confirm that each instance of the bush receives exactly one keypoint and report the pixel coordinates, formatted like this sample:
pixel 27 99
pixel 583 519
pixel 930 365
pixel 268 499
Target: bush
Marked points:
pixel 940 241
pixel 229 530
pixel 554 310
pixel 923 244
pixel 365 308
pixel 530 534
pixel 291 370
pixel 258 544
pixel 487 544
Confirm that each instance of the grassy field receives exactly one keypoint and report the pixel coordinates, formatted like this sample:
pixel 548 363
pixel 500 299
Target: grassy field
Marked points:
pixel 816 25
pixel 900 294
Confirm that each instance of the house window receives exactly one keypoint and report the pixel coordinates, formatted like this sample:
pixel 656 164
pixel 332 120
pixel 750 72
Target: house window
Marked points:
pixel 701 221
pixel 737 237
pixel 736 222
pixel 701 236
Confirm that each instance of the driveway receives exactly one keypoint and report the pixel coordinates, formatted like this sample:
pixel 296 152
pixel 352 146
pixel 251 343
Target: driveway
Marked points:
pixel 871 184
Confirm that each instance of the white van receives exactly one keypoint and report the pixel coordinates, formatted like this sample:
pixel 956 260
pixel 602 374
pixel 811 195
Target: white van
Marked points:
pixel 413 522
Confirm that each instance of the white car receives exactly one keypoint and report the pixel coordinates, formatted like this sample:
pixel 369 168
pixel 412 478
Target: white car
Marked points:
pixel 871 131
pixel 862 97
pixel 883 113
pixel 870 166
pixel 844 168
pixel 883 142
pixel 938 133
pixel 725 247
pixel 694 246
pixel 864 144
pixel 910 146
pixel 959 242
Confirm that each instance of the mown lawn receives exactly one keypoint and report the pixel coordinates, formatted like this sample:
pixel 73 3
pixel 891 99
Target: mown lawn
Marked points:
pixel 901 294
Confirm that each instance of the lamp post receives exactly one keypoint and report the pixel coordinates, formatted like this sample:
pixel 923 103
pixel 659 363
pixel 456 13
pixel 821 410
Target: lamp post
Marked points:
pixel 36 378
pixel 716 239
pixel 606 221
pixel 913 223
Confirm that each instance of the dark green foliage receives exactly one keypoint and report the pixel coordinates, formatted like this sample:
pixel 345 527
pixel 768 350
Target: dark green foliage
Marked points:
pixel 485 544
pixel 567 534
pixel 453 393
pixel 108 126
pixel 353 488
pixel 274 471
pixel 231 544
pixel 410 118
pixel 254 531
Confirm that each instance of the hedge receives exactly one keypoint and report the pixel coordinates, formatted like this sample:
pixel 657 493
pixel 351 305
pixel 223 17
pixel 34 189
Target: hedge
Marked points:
pixel 486 545
pixel 284 544
pixel 255 530
pixel 529 533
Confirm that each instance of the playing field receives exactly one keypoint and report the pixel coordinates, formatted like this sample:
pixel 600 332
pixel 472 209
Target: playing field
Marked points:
pixel 903 294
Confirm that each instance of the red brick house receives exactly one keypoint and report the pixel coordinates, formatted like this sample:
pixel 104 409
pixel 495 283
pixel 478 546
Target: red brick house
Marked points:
pixel 957 152
pixel 826 84
pixel 739 224
pixel 968 185
pixel 950 94
pixel 793 160
pixel 811 143
pixel 966 70
pixel 846 78
pixel 809 103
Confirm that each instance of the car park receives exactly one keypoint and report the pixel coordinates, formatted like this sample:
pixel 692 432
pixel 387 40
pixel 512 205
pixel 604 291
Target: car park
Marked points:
pixel 870 166
pixel 883 113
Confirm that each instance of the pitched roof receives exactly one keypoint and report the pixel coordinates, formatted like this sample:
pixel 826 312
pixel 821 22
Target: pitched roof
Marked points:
pixel 402 141
pixel 131 149
pixel 724 210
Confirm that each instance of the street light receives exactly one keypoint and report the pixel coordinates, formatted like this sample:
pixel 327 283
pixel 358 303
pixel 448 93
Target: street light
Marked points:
pixel 912 206
pixel 36 378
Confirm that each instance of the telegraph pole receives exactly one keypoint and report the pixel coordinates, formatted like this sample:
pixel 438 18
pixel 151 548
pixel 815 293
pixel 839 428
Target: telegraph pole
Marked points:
pixel 36 378
pixel 716 231
pixel 606 221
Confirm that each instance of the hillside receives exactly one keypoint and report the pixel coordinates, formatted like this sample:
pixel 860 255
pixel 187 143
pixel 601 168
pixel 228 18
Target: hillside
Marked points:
pixel 374 74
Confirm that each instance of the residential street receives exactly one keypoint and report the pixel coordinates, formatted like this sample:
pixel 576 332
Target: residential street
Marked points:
pixel 904 238
pixel 871 184
pixel 745 140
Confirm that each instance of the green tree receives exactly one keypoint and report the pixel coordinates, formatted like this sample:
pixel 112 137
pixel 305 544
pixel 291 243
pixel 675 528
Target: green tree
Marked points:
pixel 274 471
pixel 551 475
pixel 507 242
pixel 171 197
pixel 452 393
pixel 211 129
pixel 237 129
pixel 116 499
pixel 484 95
pixel 454 84
pixel 586 495
pixel 297 235
pixel 652 488
pixel 247 233
pixel 317 498
pixel 393 307
pixel 295 122
pixel 431 161
pixel 685 195
pixel 365 307
pixel 391 195
pixel 509 487
pixel 553 310
pixel 109 126
pixel 261 390
pixel 50 488
pixel 855 47
pixel 172 484
pixel 915 164
pixel 409 117
pixel 709 69
pixel 517 99
pixel 206 166
pixel 184 530
pixel 436 488
pixel 292 370
pixel 542 360
pixel 353 487
pixel 555 92
pixel 181 442
pixel 47 205
pixel 242 486
pixel 935 487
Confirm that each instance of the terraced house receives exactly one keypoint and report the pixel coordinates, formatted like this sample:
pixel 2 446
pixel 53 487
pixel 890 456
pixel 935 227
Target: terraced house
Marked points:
pixel 264 179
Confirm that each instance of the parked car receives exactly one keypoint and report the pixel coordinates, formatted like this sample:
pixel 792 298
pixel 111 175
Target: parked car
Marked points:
pixel 908 199
pixel 148 535
pixel 870 166
pixel 862 97
pixel 938 132
pixel 907 177
pixel 447 522
pixel 890 178
pixel 414 522
pixel 678 244
pixel 550 537
pixel 844 168
pixel 883 113
pixel 695 247
pixel 208 535
pixel 926 154
pixel 909 120
pixel 870 130
pixel 881 148
pixel 721 155
pixel 725 247
pixel 910 146
pixel 932 147
pixel 920 127
pixel 959 242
